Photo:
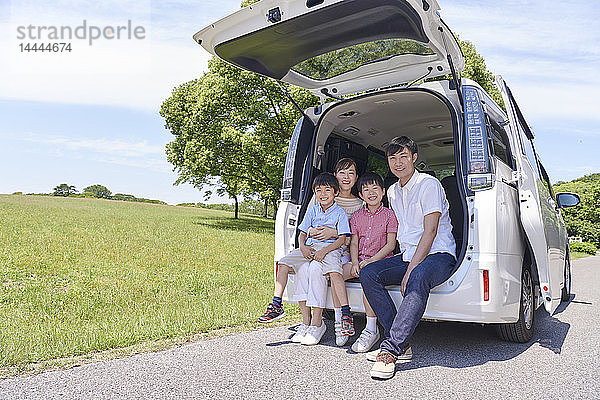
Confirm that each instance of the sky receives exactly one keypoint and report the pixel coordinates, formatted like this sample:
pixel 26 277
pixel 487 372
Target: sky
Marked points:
pixel 90 116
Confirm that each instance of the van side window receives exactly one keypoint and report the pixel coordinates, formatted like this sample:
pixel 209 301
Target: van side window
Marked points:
pixel 377 161
pixel 528 150
pixel 500 143
pixel 546 180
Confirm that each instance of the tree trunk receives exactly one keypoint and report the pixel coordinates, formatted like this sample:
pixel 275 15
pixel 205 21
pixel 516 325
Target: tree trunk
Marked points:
pixel 235 207
pixel 266 208
pixel 274 208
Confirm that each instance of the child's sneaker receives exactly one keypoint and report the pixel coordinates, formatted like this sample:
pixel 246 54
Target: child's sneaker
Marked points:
pixel 340 339
pixel 365 341
pixel 300 333
pixel 314 334
pixel 273 313
pixel 347 325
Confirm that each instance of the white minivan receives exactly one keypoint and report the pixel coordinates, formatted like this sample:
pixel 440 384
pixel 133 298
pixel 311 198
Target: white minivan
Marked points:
pixel 512 245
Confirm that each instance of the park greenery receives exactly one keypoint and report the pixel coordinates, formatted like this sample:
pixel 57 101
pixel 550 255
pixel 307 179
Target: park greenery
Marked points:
pixel 98 192
pixel 583 247
pixel 64 190
pixel 246 206
pixel 584 220
pixel 234 125
pixel 79 276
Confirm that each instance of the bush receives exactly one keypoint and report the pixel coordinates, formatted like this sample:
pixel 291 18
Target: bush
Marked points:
pixel 583 247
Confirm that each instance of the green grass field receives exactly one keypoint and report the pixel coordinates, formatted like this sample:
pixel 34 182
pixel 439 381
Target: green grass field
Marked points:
pixel 80 276
pixel 576 254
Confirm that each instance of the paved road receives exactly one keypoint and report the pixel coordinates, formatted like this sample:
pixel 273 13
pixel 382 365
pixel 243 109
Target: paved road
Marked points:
pixel 451 361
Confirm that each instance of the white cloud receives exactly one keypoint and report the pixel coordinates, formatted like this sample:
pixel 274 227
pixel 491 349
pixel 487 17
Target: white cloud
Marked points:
pixel 122 75
pixel 129 73
pixel 152 164
pixel 129 154
pixel 547 52
pixel 117 147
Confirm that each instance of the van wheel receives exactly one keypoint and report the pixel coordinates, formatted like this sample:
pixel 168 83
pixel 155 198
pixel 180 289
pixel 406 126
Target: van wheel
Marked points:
pixel 566 290
pixel 522 330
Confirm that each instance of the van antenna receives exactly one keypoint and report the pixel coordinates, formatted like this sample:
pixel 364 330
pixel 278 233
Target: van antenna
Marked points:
pixel 452 70
pixel 291 99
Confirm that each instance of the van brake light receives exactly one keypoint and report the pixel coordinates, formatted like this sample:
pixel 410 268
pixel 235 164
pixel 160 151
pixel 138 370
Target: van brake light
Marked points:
pixel 486 285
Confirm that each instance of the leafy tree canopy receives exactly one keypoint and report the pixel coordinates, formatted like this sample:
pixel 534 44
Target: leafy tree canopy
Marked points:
pixel 235 125
pixel 98 191
pixel 64 190
pixel 583 220
pixel 476 70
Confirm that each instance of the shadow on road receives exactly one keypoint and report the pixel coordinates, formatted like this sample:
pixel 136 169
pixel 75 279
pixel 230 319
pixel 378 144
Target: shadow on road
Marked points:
pixel 461 345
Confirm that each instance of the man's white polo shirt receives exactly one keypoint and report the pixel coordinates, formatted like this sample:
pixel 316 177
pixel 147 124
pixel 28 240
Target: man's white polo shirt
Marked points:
pixel 423 194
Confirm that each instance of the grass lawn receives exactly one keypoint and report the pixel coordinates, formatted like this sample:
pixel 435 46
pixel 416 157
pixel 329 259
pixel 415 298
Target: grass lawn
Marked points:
pixel 577 254
pixel 82 275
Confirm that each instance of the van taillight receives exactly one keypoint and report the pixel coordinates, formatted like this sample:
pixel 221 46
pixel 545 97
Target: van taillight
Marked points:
pixel 486 285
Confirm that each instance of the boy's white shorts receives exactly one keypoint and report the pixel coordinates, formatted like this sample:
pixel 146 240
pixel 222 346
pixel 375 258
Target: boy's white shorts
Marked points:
pixel 331 263
pixel 346 255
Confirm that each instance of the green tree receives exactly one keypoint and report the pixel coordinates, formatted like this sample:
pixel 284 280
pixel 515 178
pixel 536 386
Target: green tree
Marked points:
pixel 229 187
pixel 235 126
pixel 583 220
pixel 476 70
pixel 64 190
pixel 98 191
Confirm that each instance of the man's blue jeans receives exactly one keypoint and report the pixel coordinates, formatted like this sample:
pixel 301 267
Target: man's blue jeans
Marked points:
pixel 400 324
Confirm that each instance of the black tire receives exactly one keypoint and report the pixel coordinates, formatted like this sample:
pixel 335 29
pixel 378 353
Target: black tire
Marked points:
pixel 522 330
pixel 566 290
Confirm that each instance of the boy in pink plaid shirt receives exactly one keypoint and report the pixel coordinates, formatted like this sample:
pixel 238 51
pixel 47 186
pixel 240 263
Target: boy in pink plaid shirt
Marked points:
pixel 374 229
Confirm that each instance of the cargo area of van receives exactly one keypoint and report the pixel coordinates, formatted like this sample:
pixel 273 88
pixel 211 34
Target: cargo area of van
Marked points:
pixel 361 128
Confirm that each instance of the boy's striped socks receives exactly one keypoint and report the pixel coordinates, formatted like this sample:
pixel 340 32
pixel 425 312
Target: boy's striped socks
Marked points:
pixel 346 310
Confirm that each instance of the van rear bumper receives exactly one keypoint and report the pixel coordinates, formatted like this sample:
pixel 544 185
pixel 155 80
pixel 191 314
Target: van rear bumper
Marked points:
pixel 454 301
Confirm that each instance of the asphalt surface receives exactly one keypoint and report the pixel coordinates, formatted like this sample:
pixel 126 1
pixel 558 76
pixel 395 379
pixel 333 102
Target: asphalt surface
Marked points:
pixel 451 360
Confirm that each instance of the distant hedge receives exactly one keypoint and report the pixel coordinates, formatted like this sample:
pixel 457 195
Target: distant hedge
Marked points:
pixel 583 220
pixel 583 247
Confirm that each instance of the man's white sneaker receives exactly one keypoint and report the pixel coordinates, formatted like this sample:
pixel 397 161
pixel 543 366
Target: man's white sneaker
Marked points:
pixel 300 333
pixel 365 341
pixel 372 355
pixel 340 339
pixel 313 334
pixel 385 366
pixel 404 357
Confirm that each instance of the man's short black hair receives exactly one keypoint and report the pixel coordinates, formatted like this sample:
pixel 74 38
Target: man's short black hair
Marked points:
pixel 369 178
pixel 400 142
pixel 326 179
